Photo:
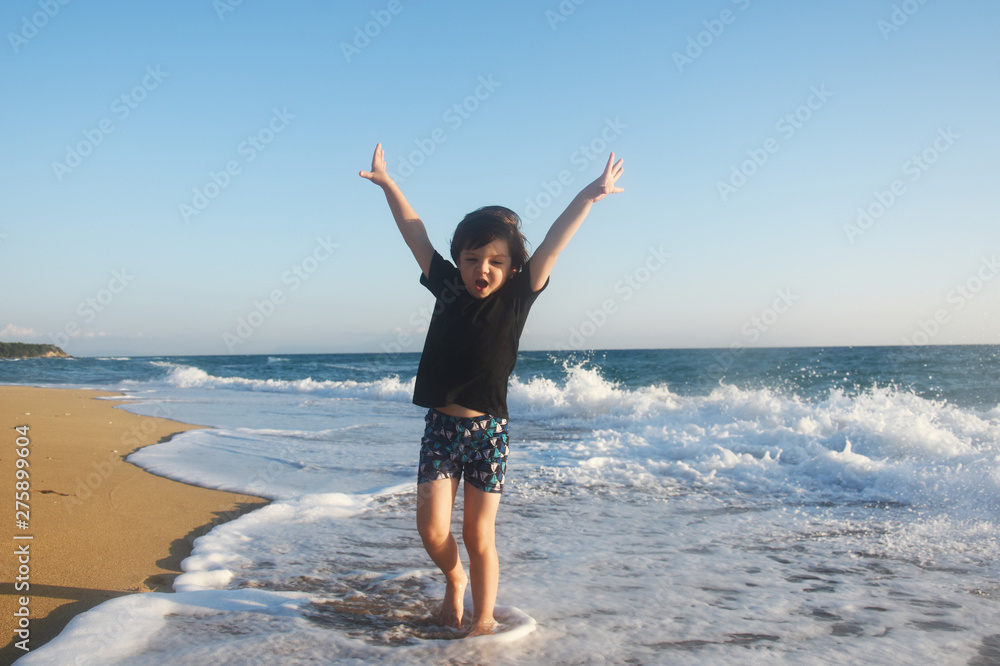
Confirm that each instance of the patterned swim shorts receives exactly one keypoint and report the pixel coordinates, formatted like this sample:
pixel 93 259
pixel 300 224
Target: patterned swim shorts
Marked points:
pixel 453 445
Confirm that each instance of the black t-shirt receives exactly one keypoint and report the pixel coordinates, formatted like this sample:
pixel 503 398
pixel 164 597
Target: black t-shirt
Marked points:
pixel 471 345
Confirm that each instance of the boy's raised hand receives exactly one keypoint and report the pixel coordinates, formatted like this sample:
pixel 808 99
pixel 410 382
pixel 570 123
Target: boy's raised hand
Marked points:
pixel 569 221
pixel 406 218
pixel 378 174
pixel 605 183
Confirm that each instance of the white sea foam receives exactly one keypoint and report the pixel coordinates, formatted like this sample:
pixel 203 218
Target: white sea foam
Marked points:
pixel 189 377
pixel 243 626
pixel 879 445
pixel 742 525
pixel 215 560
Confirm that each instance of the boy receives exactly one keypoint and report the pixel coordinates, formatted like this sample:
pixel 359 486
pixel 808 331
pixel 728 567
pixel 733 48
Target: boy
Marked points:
pixel 469 354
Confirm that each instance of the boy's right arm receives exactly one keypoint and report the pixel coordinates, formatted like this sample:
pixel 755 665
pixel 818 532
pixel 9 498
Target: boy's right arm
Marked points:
pixel 410 225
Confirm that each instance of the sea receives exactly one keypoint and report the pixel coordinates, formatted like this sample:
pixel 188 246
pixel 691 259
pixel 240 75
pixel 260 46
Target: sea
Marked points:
pixel 778 506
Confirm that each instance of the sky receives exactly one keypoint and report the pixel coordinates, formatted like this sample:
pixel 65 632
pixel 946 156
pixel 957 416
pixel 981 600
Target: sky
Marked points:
pixel 182 178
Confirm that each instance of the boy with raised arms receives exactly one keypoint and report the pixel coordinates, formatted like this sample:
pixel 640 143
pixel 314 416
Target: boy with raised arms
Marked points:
pixel 482 303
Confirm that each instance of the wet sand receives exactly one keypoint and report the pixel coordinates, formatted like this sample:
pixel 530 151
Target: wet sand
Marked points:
pixel 100 527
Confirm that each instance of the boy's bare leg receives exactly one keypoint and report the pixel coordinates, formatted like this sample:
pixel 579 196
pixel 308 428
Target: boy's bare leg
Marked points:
pixel 479 534
pixel 435 500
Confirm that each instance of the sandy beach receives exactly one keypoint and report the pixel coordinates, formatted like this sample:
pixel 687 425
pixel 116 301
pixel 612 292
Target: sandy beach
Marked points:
pixel 100 527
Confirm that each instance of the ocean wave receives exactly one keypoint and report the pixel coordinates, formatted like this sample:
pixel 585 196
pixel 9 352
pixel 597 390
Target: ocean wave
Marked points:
pixel 387 388
pixel 861 517
pixel 881 444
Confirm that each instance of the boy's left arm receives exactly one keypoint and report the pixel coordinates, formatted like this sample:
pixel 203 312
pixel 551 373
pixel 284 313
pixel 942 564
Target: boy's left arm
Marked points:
pixel 562 230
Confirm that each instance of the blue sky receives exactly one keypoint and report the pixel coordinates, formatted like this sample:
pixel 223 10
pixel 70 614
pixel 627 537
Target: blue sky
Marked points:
pixel 181 178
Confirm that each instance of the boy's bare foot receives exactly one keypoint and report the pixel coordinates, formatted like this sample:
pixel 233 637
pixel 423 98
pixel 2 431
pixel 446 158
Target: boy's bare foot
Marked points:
pixel 483 628
pixel 454 603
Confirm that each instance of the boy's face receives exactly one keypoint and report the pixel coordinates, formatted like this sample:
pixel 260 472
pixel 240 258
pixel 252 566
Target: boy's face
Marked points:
pixel 485 269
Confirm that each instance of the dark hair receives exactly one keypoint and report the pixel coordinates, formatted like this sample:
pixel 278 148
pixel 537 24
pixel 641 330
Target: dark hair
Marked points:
pixel 487 224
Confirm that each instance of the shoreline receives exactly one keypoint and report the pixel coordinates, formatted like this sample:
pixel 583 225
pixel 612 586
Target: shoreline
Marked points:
pixel 99 527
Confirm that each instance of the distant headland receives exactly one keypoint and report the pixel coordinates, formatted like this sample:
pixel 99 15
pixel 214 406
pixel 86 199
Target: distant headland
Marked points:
pixel 25 350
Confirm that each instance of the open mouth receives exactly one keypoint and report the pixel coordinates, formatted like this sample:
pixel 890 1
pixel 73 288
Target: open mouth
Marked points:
pixel 481 284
